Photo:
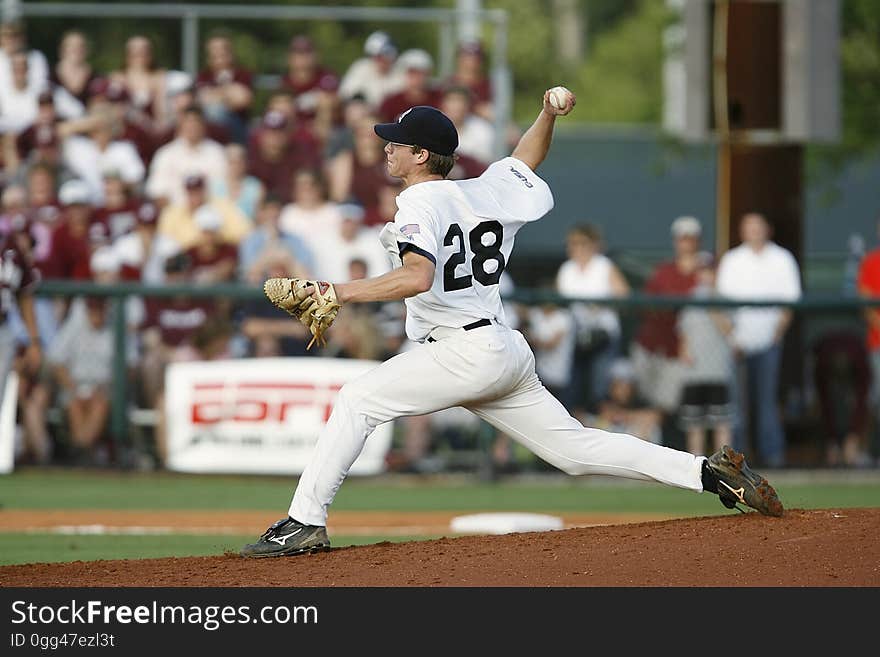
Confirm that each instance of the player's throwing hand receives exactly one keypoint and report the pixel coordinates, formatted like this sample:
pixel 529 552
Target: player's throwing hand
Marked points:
pixel 559 101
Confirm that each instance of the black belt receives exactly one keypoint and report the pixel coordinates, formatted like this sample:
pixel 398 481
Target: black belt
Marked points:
pixel 470 327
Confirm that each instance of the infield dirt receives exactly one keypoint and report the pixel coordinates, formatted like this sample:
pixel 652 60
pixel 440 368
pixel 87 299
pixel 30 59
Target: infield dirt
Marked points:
pixel 828 547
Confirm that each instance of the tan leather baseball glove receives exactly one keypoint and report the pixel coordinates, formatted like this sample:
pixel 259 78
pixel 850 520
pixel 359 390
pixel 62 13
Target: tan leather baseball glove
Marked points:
pixel 314 303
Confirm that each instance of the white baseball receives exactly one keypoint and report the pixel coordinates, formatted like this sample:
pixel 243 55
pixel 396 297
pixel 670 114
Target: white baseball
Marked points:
pixel 559 97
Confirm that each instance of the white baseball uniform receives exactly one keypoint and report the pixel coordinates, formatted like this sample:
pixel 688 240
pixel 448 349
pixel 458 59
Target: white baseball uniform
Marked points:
pixel 467 228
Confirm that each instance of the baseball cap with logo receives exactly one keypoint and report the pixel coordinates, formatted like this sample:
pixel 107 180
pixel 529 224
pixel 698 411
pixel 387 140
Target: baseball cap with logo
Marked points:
pixel 686 227
pixel 423 126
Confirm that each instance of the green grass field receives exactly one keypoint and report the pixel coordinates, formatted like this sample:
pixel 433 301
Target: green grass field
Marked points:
pixel 71 489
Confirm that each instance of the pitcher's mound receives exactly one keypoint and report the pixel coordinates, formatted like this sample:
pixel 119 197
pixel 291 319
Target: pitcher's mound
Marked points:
pixel 804 548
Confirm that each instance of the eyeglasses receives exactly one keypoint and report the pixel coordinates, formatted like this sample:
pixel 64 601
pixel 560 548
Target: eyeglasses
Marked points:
pixel 396 144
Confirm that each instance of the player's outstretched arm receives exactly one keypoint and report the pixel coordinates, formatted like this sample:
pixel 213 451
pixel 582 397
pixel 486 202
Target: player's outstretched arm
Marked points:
pixel 535 143
pixel 414 277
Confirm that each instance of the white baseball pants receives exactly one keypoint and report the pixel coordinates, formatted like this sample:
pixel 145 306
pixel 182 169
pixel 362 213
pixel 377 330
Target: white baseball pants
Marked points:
pixel 491 372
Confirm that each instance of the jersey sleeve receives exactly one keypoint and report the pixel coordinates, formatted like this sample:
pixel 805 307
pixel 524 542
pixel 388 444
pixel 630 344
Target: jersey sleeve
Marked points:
pixel 509 189
pixel 417 229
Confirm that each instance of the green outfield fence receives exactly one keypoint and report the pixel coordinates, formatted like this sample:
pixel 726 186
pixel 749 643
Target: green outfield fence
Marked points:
pixel 811 311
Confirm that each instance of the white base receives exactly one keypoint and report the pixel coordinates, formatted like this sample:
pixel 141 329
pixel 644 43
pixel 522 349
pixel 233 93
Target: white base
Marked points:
pixel 504 523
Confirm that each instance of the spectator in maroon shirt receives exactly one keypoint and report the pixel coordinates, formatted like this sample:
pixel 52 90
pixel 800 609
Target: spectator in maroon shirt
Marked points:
pixel 212 259
pixel 470 72
pixel 300 135
pixel 273 157
pixel 224 89
pixel 46 121
pixel 45 151
pixel 655 353
pixel 417 65
pixel 71 250
pixel 313 86
pixel 169 324
pixel 43 208
pixel 119 207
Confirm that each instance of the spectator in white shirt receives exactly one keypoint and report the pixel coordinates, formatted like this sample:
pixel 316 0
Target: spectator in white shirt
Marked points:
pixel 475 134
pixel 12 41
pixel 551 333
pixel 335 252
pixel 590 274
pixel 760 269
pixel 374 76
pixel 18 99
pixel 100 151
pixel 191 153
pixel 81 356
pixel 310 216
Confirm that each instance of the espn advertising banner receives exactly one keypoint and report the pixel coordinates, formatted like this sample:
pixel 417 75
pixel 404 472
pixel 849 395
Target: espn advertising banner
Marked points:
pixel 259 415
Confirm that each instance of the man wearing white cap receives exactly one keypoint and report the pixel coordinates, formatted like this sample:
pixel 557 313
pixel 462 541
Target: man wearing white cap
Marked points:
pixel 373 76
pixel 213 259
pixel 417 66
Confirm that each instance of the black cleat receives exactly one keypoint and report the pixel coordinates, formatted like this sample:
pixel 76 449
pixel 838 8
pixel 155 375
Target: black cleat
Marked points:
pixel 737 484
pixel 288 537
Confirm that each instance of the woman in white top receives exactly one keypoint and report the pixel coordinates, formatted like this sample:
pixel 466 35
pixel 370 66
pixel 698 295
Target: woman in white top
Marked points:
pixel 311 217
pixel 589 274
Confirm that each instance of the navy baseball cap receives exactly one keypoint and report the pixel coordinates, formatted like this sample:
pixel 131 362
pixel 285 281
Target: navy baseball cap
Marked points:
pixel 423 126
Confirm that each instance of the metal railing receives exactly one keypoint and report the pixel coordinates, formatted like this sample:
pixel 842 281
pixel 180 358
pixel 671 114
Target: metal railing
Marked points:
pixel 812 303
pixel 190 15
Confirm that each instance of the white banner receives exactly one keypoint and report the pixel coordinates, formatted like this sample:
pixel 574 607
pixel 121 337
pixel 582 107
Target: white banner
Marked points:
pixel 259 416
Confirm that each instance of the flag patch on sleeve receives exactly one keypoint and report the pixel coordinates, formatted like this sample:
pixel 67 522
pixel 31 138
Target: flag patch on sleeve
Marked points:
pixel 409 230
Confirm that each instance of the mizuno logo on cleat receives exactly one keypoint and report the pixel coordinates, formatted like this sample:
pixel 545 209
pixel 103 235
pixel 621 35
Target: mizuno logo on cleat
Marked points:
pixel 282 540
pixel 736 491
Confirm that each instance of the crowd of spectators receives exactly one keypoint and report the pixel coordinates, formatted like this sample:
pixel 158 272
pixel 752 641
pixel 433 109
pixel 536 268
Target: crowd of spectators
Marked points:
pixel 145 174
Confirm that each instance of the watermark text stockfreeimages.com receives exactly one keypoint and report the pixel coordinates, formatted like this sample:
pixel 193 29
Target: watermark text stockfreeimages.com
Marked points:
pixel 210 617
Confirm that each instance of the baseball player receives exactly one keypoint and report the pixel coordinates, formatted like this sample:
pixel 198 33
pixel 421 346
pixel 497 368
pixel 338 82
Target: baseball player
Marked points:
pixel 18 278
pixel 452 241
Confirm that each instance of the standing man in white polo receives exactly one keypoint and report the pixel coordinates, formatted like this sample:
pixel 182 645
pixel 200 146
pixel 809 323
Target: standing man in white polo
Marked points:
pixel 760 269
